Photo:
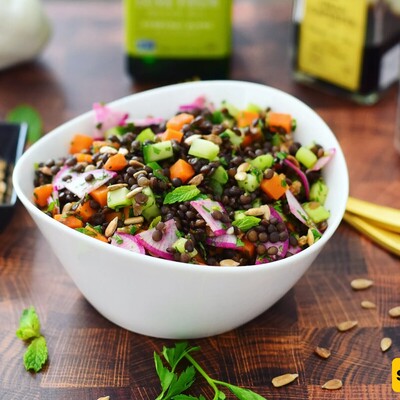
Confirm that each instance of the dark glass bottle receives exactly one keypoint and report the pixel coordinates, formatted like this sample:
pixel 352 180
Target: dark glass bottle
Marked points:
pixel 178 40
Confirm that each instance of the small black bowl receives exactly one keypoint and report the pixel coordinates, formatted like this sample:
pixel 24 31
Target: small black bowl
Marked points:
pixel 12 143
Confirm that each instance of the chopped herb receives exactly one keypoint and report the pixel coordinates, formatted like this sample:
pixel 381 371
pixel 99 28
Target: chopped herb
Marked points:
pixel 246 223
pixel 118 238
pixel 181 193
pixel 30 116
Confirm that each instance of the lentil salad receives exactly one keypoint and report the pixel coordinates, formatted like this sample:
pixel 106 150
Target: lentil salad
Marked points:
pixel 210 185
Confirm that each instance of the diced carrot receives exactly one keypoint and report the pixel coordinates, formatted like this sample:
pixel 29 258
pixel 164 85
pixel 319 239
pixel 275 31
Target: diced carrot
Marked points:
pixel 248 248
pixel 82 157
pixel 85 211
pixel 182 170
pixel 69 220
pixel 245 118
pixel 250 138
pixel 110 216
pixel 128 212
pixel 199 260
pixel 278 122
pixel 177 121
pixel 172 134
pixel 116 162
pixel 80 142
pixel 98 144
pixel 100 195
pixel 95 234
pixel 42 193
pixel 274 187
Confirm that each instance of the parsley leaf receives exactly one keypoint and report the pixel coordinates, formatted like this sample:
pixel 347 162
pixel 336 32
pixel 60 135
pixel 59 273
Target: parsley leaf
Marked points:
pixel 181 194
pixel 246 223
pixel 36 354
pixel 29 325
pixel 244 394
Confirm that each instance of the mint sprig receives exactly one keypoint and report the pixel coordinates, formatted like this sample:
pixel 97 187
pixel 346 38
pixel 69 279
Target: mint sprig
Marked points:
pixel 181 193
pixel 174 385
pixel 28 114
pixel 246 223
pixel 29 331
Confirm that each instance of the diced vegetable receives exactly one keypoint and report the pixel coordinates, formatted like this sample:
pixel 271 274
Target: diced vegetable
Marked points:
pixel 225 241
pixel 182 170
pixel 100 195
pixel 82 157
pixel 316 211
pixel 246 118
pixel 204 149
pixel 321 162
pixel 178 121
pixel 117 198
pixel 116 162
pixel 85 211
pixel 306 157
pixel 89 230
pixel 198 103
pixel 146 134
pixel 298 211
pixel 41 194
pixel 262 162
pixel 69 220
pixel 250 183
pixel 278 122
pixel 235 139
pixel 274 187
pixel 179 245
pixel 157 151
pixel 301 175
pixel 172 134
pixel 107 118
pixel 220 175
pixel 319 191
pixel 80 142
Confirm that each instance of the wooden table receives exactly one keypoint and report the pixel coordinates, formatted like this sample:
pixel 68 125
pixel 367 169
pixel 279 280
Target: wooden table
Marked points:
pixel 89 356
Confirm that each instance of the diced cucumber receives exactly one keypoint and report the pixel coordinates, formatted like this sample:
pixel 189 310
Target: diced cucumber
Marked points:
pixel 236 140
pixel 146 134
pixel 151 212
pixel 306 157
pixel 115 131
pixel 157 151
pixel 250 184
pixel 232 110
pixel 204 149
pixel 262 162
pixel 117 198
pixel 220 175
pixel 253 107
pixel 319 191
pixel 316 211
pixel 276 140
pixel 179 245
pixel 257 203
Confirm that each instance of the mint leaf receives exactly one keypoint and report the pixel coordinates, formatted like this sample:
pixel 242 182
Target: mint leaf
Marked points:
pixel 28 114
pixel 29 325
pixel 246 223
pixel 181 193
pixel 36 354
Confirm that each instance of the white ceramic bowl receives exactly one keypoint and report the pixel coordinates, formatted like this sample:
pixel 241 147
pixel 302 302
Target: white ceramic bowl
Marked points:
pixel 167 299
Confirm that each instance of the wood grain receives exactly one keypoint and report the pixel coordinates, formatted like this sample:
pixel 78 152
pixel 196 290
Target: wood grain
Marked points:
pixel 89 356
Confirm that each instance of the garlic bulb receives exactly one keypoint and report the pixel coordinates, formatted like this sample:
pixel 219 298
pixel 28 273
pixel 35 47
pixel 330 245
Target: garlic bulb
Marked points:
pixel 24 31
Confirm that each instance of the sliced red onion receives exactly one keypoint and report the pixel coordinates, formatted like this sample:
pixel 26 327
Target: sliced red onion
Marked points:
pixel 107 118
pixel 58 182
pixel 128 242
pixel 148 121
pixel 205 208
pixel 199 102
pixel 298 211
pixel 294 249
pixel 159 249
pixel 321 162
pixel 80 187
pixel 225 241
pixel 301 175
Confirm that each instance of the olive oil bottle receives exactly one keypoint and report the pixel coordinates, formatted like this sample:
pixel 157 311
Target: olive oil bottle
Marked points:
pixel 177 40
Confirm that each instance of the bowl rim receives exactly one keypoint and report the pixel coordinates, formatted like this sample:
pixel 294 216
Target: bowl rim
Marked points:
pixel 175 265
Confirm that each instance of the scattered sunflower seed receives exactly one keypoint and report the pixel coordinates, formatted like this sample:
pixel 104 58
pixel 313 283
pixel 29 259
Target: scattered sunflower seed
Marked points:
pixel 385 344
pixel 136 163
pixel 116 186
pixel 395 312
pixel 241 176
pixel 108 150
pixel 134 192
pixel 283 380
pixel 346 325
pixel 228 263
pixel 134 221
pixel 368 304
pixel 104 398
pixel 322 352
pixel 332 384
pixel 310 237
pixel 111 227
pixel 361 284
pixel 196 180
pixel 244 167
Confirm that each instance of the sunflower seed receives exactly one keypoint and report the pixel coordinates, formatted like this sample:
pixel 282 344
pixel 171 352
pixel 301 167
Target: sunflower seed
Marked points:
pixel 283 380
pixel 134 192
pixel 104 398
pixel 196 180
pixel 386 343
pixel 322 352
pixel 332 384
pixel 228 263
pixel 136 163
pixel 116 186
pixel 241 176
pixel 368 304
pixel 141 172
pixel 123 150
pixel 111 227
pixel 108 150
pixel 361 284
pixel 213 138
pixel 310 237
pixel 134 221
pixel 346 325
pixel 244 167
pixel 189 140
pixel 395 312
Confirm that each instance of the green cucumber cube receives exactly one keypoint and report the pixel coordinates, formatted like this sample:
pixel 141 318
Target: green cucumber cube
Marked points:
pixel 236 140
pixel 306 157
pixel 220 175
pixel 204 149
pixel 157 151
pixel 146 134
pixel 316 211
pixel 319 191
pixel 117 198
pixel 262 162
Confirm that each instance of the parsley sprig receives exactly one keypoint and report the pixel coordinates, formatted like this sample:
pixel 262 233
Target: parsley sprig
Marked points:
pixel 29 331
pixel 174 384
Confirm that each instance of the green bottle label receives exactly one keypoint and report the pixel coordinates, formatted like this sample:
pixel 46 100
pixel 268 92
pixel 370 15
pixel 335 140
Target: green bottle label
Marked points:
pixel 178 28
